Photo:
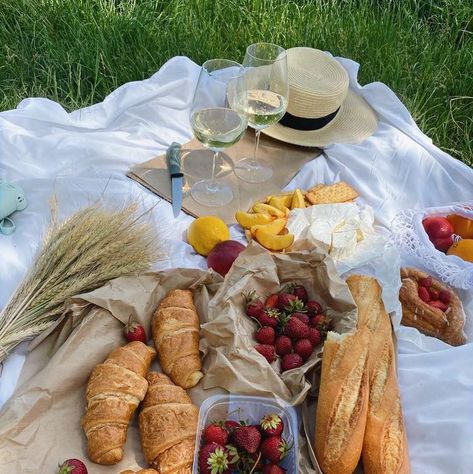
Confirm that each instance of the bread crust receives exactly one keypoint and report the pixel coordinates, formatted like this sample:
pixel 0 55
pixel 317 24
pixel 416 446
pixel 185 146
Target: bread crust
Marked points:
pixel 114 390
pixel 446 326
pixel 168 425
pixel 342 403
pixel 176 334
pixel 385 449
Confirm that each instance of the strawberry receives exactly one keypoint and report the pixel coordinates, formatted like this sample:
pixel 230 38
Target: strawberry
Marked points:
pixel 301 293
pixel 322 323
pixel 265 335
pixel 294 306
pixel 271 425
pixel 269 317
pixel 267 351
pixel 273 469
pixel 274 449
pixel 233 455
pixel 296 329
pixel 247 438
pixel 424 294
pixel 302 316
pixel 135 332
pixel 297 290
pixel 72 466
pixel 445 296
pixel 255 462
pixel 304 348
pixel 439 305
pixel 254 305
pixel 213 459
pixel 291 361
pixel 426 282
pixel 283 345
pixel 231 425
pixel 284 299
pixel 214 433
pixel 434 294
pixel 314 336
pixel 314 307
pixel 271 301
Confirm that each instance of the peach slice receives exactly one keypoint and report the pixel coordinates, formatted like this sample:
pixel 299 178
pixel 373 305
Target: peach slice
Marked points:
pixel 278 203
pixel 273 242
pixel 273 227
pixel 284 198
pixel 247 220
pixel 267 209
pixel 298 201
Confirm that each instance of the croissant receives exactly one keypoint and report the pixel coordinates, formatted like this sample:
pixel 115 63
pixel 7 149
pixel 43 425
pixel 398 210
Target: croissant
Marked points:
pixel 114 390
pixel 168 425
pixel 446 326
pixel 175 328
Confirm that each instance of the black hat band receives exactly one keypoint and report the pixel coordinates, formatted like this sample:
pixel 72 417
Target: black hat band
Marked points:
pixel 302 123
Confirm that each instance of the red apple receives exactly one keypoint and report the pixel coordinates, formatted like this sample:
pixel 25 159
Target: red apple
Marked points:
pixel 440 231
pixel 442 243
pixel 222 256
pixel 437 227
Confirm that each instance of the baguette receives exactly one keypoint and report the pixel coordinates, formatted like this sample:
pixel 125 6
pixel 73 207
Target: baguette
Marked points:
pixel 343 402
pixel 385 442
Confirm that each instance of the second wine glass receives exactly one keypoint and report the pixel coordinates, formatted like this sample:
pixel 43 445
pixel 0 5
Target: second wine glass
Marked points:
pixel 267 91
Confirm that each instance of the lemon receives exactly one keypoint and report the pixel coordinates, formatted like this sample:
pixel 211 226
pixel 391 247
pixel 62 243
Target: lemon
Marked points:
pixel 206 232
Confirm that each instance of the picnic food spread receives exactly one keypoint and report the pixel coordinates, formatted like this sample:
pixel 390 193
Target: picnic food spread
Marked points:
pixel 265 343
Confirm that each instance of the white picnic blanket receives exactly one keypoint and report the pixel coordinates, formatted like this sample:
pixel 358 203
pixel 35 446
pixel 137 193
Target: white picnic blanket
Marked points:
pixel 83 155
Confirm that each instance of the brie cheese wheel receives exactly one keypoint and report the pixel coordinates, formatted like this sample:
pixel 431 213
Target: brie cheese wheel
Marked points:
pixel 339 227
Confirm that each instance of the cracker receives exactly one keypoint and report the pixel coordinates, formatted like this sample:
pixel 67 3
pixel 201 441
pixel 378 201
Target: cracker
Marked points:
pixel 334 193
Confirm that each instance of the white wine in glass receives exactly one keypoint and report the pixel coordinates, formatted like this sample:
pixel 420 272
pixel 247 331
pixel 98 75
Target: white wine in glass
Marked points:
pixel 218 120
pixel 267 93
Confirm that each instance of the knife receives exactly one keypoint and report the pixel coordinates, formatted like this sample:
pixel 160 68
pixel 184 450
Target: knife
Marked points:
pixel 173 155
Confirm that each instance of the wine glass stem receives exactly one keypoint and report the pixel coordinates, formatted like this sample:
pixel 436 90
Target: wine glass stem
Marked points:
pixel 213 183
pixel 255 162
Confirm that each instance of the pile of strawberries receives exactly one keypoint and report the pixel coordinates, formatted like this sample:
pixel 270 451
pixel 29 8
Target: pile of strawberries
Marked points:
pixel 428 294
pixel 238 447
pixel 289 325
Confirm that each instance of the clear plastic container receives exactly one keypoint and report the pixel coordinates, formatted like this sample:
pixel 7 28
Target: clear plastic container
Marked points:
pixel 242 407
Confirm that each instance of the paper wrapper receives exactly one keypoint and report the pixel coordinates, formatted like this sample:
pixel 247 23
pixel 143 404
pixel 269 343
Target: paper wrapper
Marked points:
pixel 285 159
pixel 40 425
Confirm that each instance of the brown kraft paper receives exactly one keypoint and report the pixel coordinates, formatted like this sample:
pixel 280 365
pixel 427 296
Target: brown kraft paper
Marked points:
pixel 40 424
pixel 285 159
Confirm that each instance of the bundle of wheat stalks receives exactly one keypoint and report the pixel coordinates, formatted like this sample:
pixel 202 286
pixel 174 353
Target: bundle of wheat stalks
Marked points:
pixel 90 248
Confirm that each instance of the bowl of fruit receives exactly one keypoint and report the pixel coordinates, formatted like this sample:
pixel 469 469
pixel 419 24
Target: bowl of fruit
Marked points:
pixel 440 240
pixel 239 434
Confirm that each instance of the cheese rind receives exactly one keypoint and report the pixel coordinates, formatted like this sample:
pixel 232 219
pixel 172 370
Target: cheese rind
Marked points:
pixel 339 227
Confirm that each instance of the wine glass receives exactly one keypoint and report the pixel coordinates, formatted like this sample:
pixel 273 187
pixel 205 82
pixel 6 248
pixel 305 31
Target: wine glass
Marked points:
pixel 268 91
pixel 218 120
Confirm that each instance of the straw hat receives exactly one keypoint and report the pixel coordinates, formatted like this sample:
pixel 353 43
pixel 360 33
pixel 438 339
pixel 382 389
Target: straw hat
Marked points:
pixel 322 108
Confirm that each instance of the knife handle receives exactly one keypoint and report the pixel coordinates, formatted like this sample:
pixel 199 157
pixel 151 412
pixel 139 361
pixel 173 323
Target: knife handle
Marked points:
pixel 174 159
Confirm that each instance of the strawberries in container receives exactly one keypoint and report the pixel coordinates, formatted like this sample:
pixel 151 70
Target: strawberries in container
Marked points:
pixel 288 325
pixel 260 436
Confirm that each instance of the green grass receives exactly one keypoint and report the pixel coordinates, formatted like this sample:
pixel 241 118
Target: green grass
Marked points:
pixel 78 51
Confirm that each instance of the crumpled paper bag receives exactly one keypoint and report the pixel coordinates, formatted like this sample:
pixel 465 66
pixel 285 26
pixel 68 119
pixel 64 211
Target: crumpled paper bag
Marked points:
pixel 40 424
pixel 232 362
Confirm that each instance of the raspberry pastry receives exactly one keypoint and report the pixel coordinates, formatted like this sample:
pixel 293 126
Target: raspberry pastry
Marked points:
pixel 431 307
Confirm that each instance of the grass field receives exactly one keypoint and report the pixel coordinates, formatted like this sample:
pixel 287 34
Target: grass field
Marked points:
pixel 78 51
